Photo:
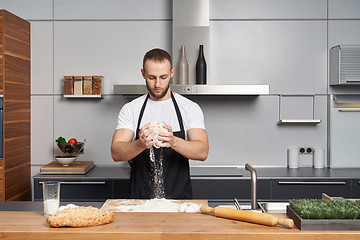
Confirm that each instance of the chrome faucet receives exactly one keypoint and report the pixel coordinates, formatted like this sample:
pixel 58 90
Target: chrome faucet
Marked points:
pixel 253 186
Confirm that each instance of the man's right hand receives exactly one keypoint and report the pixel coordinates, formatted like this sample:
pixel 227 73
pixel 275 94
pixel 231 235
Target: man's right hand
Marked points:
pixel 146 136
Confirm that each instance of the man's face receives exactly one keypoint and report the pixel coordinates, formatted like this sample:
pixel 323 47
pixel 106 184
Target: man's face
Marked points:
pixel 157 76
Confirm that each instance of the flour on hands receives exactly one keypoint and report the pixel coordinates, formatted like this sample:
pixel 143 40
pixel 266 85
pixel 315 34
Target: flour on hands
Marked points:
pixel 153 131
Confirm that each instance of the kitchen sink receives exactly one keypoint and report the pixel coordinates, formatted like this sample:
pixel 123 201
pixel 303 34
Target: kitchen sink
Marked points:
pixel 246 207
pixel 266 207
pixel 273 207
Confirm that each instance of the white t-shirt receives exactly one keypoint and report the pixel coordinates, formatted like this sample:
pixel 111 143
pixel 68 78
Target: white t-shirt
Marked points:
pixel 162 111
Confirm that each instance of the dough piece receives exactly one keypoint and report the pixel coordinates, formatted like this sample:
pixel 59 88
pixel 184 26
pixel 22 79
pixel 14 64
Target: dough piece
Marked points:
pixel 182 207
pixel 192 207
pixel 80 217
pixel 156 128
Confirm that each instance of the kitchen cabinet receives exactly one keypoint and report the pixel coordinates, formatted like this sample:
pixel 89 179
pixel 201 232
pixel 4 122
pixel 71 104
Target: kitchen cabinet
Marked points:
pixel 355 188
pixel 78 190
pixel 217 185
pixel 121 188
pixel 226 189
pixel 15 174
pixel 286 189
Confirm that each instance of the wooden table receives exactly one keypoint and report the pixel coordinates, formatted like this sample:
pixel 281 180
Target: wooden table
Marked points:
pixel 184 226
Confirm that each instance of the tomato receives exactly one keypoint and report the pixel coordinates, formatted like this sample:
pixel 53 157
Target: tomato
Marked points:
pixel 72 141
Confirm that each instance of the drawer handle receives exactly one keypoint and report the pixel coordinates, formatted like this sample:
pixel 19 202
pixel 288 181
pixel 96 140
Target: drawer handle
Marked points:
pixel 217 178
pixel 312 183
pixel 81 183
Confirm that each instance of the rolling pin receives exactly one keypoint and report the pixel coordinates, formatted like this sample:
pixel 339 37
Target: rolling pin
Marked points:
pixel 247 216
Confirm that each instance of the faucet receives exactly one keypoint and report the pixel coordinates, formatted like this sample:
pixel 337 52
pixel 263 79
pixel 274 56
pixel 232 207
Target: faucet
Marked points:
pixel 253 186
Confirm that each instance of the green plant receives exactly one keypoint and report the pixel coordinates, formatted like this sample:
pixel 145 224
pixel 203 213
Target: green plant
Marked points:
pixel 326 209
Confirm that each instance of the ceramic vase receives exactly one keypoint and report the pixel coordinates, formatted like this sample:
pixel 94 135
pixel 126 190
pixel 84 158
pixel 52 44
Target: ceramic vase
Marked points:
pixel 183 68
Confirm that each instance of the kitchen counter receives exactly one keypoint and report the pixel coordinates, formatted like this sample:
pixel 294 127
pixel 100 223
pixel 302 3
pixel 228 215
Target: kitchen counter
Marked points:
pixel 196 172
pixel 274 184
pixel 18 224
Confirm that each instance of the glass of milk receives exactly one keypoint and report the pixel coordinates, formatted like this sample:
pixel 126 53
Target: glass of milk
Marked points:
pixel 51 195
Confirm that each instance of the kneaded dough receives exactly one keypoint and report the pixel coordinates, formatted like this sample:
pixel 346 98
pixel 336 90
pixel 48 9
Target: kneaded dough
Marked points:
pixel 156 128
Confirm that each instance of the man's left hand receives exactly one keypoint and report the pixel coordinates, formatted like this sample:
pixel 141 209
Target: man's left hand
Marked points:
pixel 166 139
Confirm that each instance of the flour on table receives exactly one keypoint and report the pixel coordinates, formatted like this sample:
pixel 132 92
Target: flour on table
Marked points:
pixel 156 205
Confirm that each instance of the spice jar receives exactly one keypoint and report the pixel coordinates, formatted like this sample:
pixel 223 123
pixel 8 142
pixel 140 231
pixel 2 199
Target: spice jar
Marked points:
pixel 68 85
pixel 78 85
pixel 96 85
pixel 87 85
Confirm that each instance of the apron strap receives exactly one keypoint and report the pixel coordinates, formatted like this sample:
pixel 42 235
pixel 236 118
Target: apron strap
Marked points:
pixel 178 113
pixel 140 116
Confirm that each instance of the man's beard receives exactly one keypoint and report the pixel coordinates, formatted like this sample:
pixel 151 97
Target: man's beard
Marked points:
pixel 162 94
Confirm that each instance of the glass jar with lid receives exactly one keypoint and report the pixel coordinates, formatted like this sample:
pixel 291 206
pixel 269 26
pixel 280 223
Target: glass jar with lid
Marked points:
pixel 78 82
pixel 68 85
pixel 87 85
pixel 97 85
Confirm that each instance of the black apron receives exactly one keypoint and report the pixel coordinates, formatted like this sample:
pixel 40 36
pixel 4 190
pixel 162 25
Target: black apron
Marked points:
pixel 166 177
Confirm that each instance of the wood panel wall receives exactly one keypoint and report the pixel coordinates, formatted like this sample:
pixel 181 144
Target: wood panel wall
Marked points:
pixel 15 86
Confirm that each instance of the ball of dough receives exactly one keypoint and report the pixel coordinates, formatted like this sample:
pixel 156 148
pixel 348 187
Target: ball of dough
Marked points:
pixel 193 207
pixel 182 207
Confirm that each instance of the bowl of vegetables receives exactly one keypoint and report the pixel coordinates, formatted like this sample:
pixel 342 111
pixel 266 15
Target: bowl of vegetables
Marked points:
pixel 70 147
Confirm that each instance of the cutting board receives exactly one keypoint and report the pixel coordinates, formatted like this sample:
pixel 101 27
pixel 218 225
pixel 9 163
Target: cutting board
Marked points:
pixel 77 167
pixel 114 204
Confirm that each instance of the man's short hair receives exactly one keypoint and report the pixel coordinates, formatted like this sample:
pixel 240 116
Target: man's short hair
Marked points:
pixel 157 55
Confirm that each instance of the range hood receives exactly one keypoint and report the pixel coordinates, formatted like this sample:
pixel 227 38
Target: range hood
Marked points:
pixel 199 89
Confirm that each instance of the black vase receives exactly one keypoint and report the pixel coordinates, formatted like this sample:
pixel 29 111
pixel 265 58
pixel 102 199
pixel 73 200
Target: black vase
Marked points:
pixel 201 67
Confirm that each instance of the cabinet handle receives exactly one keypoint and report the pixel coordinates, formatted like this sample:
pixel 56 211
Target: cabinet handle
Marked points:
pixel 312 183
pixel 81 183
pixel 217 178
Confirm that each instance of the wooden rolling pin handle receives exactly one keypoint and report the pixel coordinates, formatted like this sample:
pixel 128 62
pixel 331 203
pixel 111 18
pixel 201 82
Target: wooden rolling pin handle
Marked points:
pixel 286 222
pixel 205 209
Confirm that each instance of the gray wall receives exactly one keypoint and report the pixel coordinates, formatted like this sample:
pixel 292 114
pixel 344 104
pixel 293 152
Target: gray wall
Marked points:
pixel 282 43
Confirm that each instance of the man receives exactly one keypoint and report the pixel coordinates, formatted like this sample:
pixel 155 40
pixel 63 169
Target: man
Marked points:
pixel 185 139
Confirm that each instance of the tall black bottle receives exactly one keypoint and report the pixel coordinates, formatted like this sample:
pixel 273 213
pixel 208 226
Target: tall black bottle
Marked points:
pixel 201 67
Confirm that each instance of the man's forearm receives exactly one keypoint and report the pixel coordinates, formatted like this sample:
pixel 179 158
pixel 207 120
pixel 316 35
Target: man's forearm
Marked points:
pixel 125 151
pixel 195 149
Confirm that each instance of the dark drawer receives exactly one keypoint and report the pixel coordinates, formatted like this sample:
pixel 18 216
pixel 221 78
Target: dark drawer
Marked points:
pixel 356 188
pixel 286 189
pixel 121 188
pixel 78 190
pixel 227 189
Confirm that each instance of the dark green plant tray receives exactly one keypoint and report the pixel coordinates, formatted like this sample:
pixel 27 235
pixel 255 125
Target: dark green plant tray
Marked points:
pixel 323 224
